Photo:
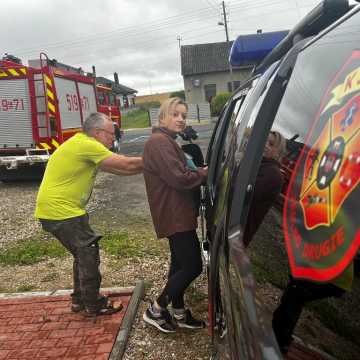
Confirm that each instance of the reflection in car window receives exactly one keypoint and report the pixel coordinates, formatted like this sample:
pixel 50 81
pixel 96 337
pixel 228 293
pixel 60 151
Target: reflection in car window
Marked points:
pixel 231 124
pixel 228 135
pixel 249 111
pixel 217 143
pixel 308 84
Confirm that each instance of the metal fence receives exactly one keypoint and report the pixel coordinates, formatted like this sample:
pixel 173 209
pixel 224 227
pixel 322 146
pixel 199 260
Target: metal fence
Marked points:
pixel 196 112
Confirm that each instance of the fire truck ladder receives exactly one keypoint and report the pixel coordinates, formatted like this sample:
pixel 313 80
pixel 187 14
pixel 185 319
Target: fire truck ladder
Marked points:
pixel 42 111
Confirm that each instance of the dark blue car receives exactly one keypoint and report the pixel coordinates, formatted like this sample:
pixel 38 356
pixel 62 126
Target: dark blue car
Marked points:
pixel 304 223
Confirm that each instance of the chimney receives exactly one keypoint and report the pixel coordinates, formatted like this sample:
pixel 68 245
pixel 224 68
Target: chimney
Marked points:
pixel 94 71
pixel 116 78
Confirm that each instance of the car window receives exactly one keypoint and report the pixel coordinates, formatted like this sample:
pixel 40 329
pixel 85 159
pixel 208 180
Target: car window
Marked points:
pixel 236 138
pixel 215 151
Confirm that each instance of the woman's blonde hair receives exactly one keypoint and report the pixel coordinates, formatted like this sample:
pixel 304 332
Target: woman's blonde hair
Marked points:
pixel 167 106
pixel 280 145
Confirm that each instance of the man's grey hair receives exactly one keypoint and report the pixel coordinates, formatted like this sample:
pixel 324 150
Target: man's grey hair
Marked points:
pixel 94 120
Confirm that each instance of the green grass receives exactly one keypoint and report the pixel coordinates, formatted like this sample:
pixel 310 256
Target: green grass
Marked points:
pixel 25 288
pixel 31 251
pixel 119 244
pixel 135 119
pixel 124 245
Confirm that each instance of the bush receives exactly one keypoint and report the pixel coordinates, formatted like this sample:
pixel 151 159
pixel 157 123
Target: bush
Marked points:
pixel 218 102
pixel 135 119
pixel 150 104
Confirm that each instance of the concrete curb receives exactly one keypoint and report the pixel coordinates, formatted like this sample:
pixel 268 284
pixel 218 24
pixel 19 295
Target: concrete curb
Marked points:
pixel 117 290
pixel 124 332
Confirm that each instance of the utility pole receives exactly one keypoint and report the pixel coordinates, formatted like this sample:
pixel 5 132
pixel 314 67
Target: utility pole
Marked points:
pixel 227 40
pixel 179 40
pixel 225 21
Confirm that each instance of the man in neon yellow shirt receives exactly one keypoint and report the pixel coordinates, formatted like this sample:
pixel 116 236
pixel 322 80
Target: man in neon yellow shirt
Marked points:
pixel 64 192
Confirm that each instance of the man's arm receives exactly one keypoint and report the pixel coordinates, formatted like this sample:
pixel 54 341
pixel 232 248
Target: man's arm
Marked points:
pixel 122 165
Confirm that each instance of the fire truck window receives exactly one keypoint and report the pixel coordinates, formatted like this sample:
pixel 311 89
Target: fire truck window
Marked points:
pixel 112 100
pixel 53 128
pixel 102 99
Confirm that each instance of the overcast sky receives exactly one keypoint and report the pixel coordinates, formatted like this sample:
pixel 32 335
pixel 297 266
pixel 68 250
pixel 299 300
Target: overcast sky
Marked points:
pixel 136 38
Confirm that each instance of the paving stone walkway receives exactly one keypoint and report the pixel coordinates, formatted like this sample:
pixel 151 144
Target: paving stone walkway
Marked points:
pixel 43 327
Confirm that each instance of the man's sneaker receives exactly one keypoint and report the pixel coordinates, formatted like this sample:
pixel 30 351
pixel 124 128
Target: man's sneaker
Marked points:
pixel 186 320
pixel 161 321
pixel 77 307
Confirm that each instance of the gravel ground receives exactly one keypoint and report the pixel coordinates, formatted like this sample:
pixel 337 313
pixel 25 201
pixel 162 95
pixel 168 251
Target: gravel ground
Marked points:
pixel 126 201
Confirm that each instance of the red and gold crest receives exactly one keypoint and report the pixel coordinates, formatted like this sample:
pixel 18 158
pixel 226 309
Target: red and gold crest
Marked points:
pixel 321 219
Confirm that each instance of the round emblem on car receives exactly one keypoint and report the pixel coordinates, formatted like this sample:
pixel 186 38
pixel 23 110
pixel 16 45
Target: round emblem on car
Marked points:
pixel 330 163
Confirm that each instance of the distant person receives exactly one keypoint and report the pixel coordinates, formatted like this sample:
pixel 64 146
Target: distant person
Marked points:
pixel 64 192
pixel 171 181
pixel 117 133
pixel 268 184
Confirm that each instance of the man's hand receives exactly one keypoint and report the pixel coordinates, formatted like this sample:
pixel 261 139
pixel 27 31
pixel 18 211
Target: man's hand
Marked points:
pixel 122 165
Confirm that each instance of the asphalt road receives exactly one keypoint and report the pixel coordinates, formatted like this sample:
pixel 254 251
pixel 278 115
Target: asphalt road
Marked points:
pixel 134 140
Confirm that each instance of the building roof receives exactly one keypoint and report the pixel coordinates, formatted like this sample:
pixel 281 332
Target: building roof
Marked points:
pixel 214 57
pixel 117 88
pixel 205 58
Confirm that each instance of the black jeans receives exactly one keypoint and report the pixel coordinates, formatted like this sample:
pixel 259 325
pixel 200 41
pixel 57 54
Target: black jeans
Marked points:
pixel 76 235
pixel 295 296
pixel 185 266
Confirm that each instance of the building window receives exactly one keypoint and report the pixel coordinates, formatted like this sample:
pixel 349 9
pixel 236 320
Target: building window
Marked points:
pixel 210 91
pixel 236 84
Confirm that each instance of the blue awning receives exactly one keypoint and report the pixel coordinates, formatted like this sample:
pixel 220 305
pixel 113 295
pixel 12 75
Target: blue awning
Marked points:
pixel 253 48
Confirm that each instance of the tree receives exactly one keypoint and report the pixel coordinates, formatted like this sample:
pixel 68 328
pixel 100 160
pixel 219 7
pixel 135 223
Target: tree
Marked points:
pixel 180 94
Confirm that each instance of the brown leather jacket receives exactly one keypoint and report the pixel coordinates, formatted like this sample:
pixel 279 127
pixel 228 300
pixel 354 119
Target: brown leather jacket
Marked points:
pixel 170 184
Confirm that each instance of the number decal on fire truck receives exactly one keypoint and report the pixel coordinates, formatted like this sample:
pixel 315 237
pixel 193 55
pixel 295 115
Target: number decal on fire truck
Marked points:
pixel 73 103
pixel 84 103
pixel 11 104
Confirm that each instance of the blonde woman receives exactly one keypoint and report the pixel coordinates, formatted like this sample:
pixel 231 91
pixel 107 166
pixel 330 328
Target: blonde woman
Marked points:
pixel 170 183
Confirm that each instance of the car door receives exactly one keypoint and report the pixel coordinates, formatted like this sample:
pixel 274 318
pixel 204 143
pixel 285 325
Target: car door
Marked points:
pixel 224 290
pixel 312 103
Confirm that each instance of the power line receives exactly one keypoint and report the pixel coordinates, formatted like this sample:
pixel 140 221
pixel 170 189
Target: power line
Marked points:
pixel 129 41
pixel 168 21
pixel 75 58
pixel 153 29
pixel 128 31
pixel 212 6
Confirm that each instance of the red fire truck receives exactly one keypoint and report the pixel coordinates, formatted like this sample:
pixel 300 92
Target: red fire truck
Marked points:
pixel 40 107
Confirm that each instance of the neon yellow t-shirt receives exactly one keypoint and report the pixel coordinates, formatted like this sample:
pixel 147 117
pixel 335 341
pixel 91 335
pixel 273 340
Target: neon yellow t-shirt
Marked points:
pixel 69 178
